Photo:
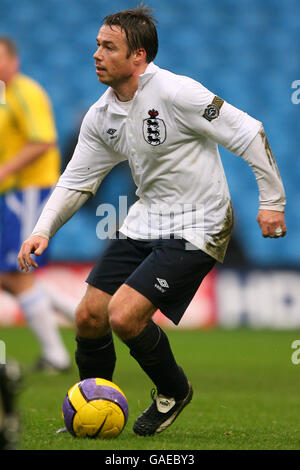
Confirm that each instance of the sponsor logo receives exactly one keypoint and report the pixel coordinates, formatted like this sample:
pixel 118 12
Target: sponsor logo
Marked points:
pixel 111 132
pixel 163 282
pixel 164 405
pixel 162 286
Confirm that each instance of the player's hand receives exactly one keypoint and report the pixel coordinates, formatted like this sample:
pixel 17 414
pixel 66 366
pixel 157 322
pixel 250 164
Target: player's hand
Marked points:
pixel 272 223
pixel 34 245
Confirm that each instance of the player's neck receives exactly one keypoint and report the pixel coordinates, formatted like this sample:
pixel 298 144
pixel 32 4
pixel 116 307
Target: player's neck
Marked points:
pixel 125 94
pixel 125 91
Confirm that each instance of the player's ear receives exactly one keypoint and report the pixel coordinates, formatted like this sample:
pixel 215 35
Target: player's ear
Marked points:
pixel 139 55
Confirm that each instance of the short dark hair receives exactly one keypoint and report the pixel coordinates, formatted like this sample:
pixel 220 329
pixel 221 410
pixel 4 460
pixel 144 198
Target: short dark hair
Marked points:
pixel 139 27
pixel 10 45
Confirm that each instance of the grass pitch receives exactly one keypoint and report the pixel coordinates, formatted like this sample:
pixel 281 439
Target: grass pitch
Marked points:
pixel 246 393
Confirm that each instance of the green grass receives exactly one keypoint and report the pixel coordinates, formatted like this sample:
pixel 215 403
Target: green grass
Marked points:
pixel 246 393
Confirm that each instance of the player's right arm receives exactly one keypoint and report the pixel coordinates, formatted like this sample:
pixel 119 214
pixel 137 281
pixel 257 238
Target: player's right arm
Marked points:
pixel 60 207
pixel 91 161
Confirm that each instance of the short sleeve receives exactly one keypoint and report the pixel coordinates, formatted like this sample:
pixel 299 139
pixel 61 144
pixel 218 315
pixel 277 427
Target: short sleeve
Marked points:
pixel 92 158
pixel 198 111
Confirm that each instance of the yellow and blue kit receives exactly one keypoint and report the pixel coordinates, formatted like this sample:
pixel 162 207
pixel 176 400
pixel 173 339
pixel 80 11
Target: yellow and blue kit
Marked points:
pixel 26 116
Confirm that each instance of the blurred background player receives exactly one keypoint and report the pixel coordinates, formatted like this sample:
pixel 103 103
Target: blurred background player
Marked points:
pixel 29 167
pixel 10 384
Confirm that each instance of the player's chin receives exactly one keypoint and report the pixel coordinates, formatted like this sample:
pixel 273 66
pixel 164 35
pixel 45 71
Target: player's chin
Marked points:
pixel 105 82
pixel 103 79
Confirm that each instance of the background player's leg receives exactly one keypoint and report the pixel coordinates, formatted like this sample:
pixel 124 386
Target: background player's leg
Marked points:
pixel 39 316
pixel 95 353
pixel 60 301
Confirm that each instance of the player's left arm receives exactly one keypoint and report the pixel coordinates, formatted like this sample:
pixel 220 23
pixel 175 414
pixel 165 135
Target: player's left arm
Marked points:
pixel 198 111
pixel 272 198
pixel 27 155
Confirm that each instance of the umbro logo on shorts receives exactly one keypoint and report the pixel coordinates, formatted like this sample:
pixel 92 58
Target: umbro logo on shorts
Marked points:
pixel 162 286
pixel 163 282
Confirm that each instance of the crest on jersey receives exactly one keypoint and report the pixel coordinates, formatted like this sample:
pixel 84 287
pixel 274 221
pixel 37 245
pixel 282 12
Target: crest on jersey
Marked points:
pixel 154 128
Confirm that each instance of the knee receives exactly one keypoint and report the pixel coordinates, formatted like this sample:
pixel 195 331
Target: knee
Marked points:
pixel 82 316
pixel 90 320
pixel 120 321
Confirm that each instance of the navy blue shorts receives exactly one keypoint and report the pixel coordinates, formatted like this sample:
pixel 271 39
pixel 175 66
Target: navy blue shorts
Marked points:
pixel 163 270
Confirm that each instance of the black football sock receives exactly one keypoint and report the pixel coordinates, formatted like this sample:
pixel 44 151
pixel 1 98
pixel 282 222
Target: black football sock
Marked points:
pixel 151 349
pixel 95 357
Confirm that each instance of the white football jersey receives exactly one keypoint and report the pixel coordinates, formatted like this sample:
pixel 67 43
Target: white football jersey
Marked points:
pixel 169 133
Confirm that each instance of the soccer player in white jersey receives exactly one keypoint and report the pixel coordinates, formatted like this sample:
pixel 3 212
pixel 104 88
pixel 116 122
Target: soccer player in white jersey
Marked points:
pixel 169 128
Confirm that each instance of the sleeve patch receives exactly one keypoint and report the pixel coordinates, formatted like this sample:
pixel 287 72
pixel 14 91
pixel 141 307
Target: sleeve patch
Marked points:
pixel 212 111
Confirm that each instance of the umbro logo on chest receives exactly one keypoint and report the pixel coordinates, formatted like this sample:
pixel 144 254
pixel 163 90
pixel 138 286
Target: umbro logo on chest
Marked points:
pixel 111 132
pixel 154 128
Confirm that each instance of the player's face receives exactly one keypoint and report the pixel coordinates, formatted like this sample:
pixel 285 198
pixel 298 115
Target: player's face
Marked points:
pixel 113 63
pixel 8 64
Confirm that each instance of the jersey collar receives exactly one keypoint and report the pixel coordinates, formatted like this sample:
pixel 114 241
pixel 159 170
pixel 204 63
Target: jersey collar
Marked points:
pixel 148 74
pixel 107 99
